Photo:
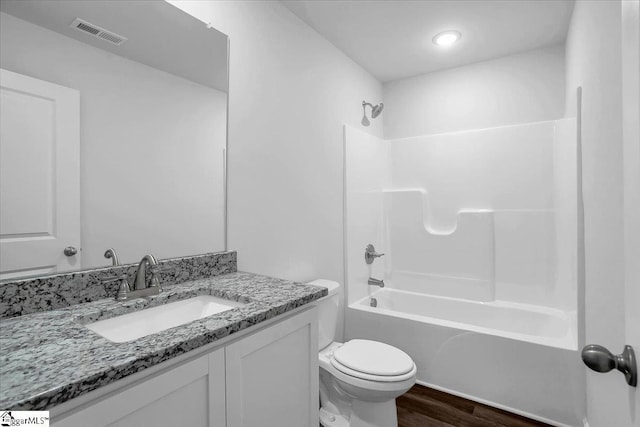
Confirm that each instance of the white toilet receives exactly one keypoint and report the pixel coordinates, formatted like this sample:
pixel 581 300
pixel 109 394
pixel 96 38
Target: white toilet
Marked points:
pixel 360 379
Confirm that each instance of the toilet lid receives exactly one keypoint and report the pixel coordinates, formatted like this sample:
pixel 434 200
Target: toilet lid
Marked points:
pixel 374 358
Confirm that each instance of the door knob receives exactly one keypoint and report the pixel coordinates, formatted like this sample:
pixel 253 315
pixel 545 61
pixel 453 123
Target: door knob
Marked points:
pixel 600 359
pixel 70 251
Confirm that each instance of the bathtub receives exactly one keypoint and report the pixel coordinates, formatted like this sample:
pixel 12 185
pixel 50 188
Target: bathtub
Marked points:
pixel 517 357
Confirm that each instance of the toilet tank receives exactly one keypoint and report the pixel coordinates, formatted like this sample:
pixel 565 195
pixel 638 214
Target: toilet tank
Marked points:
pixel 327 311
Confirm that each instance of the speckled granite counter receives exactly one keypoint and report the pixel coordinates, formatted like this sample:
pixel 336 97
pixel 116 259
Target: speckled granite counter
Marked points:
pixel 47 358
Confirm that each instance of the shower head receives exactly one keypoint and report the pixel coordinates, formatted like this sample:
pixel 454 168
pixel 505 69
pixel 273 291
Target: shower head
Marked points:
pixel 375 112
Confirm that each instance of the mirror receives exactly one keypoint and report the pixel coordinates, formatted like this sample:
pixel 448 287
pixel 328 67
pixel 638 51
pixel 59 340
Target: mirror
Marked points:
pixel 114 134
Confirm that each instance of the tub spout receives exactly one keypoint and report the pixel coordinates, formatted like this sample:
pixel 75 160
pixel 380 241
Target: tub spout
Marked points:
pixel 376 282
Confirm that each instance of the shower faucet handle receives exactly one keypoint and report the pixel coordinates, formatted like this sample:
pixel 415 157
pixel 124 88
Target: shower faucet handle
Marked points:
pixel 370 254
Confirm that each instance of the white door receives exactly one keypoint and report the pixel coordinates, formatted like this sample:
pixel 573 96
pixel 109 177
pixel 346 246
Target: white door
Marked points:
pixel 39 176
pixel 631 166
pixel 611 402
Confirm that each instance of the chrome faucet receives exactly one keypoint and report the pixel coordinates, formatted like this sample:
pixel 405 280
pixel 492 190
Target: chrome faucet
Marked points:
pixel 111 253
pixel 375 282
pixel 140 288
pixel 141 279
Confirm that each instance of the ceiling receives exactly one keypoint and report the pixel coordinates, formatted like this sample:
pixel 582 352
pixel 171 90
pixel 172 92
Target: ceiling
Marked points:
pixel 393 39
pixel 159 34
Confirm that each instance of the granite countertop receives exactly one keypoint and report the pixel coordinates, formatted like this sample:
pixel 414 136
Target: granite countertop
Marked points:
pixel 50 357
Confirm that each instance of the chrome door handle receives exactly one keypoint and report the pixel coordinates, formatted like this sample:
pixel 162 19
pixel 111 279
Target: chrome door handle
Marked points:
pixel 70 251
pixel 600 359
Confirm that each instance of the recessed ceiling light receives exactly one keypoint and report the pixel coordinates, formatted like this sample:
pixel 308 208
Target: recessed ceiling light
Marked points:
pixel 447 38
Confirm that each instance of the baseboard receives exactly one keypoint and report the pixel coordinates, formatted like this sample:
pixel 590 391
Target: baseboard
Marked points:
pixel 499 406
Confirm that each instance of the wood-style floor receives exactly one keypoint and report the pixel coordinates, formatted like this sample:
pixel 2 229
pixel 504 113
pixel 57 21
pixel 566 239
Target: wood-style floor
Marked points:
pixel 426 407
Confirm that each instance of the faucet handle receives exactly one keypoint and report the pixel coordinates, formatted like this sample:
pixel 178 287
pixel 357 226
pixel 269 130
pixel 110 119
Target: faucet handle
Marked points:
pixel 123 289
pixel 155 275
pixel 370 254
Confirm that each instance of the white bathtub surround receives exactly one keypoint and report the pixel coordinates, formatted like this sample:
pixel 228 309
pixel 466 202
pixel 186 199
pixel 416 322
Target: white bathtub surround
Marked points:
pixel 480 236
pixel 490 210
pixel 456 260
pixel 483 215
pixel 367 172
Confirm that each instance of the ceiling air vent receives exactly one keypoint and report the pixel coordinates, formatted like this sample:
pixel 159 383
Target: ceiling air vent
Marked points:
pixel 94 30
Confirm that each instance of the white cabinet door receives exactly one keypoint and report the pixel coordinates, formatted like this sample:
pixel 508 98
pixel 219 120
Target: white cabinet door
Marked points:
pixel 191 395
pixel 39 176
pixel 272 375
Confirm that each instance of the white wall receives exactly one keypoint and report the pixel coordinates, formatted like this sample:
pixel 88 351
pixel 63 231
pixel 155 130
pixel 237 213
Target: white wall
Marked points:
pixel 151 147
pixel 522 88
pixel 290 93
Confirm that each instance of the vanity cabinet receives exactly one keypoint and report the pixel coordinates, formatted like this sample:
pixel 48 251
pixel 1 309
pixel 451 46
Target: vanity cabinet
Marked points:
pixel 272 376
pixel 189 394
pixel 266 378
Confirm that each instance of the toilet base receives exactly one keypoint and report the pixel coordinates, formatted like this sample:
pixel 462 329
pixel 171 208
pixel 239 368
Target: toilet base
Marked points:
pixel 329 419
pixel 363 414
pixel 373 414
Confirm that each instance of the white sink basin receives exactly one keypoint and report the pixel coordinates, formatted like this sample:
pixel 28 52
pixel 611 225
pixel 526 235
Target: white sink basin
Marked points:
pixel 129 327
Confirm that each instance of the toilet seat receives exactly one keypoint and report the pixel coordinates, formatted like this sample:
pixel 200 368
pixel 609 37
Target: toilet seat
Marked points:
pixel 373 361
